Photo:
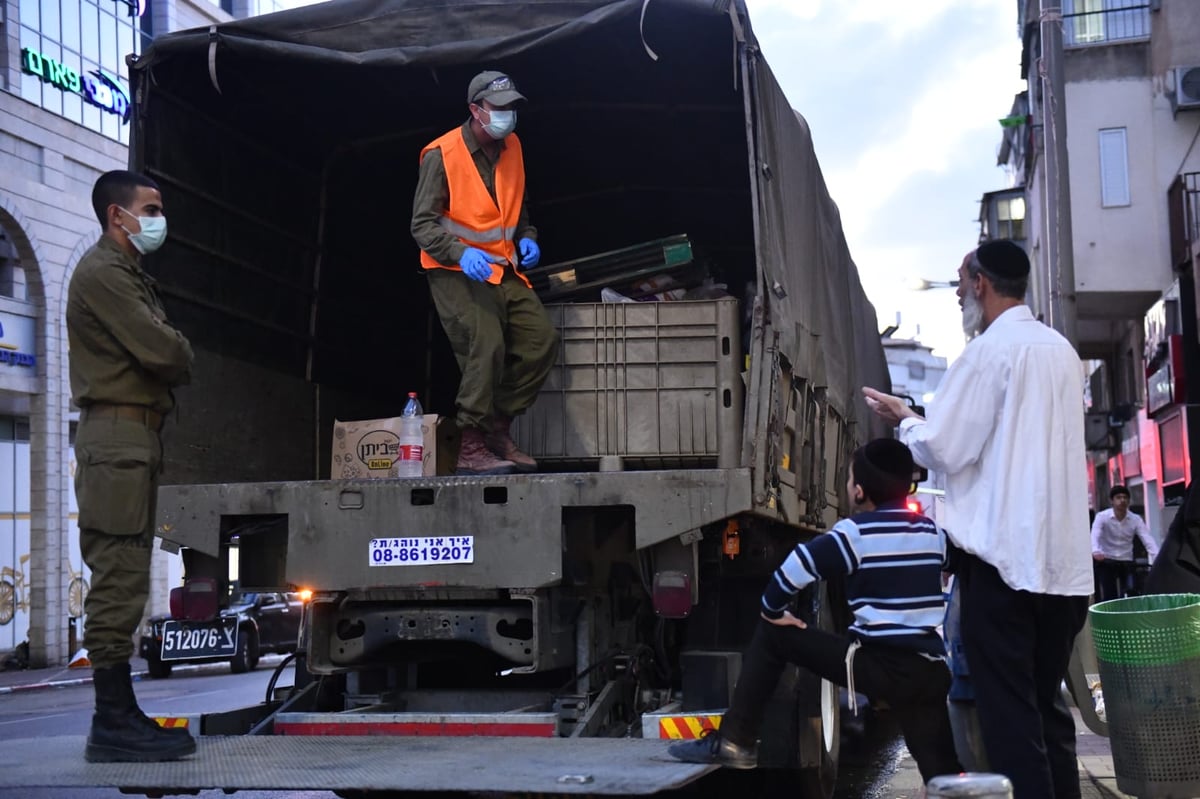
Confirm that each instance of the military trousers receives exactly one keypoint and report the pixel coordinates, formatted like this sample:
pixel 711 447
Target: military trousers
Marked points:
pixel 116 485
pixel 502 339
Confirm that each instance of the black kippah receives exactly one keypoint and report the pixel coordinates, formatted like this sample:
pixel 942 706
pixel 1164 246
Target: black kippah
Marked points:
pixel 884 468
pixel 1003 259
pixel 890 457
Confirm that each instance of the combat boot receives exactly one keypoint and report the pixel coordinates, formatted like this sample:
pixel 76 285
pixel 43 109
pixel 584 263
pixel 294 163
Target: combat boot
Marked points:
pixel 474 457
pixel 500 442
pixel 121 733
pixel 125 698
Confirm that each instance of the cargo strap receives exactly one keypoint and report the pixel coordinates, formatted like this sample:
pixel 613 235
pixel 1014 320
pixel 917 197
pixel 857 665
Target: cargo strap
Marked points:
pixel 642 30
pixel 212 57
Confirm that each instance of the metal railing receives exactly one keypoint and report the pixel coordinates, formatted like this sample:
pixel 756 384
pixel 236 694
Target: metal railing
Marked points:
pixel 1088 22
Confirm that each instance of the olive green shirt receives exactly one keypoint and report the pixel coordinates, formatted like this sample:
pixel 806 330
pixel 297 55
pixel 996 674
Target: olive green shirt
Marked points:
pixel 433 199
pixel 123 351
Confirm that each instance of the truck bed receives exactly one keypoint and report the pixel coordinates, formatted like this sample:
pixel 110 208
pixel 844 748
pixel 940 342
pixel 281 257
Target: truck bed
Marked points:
pixel 607 767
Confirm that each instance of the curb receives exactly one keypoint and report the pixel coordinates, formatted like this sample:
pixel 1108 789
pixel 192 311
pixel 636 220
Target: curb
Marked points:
pixel 135 675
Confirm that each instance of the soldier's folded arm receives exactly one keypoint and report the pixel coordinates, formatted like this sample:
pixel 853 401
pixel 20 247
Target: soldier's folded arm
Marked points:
pixel 119 305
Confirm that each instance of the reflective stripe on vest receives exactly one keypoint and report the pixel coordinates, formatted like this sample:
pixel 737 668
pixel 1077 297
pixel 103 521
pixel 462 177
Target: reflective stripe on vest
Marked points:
pixel 474 218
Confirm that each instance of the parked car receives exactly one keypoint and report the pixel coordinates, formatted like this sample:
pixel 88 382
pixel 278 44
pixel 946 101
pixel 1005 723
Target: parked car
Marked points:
pixel 253 623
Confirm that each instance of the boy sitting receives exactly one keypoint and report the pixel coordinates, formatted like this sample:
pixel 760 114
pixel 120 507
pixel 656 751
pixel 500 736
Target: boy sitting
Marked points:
pixel 892 559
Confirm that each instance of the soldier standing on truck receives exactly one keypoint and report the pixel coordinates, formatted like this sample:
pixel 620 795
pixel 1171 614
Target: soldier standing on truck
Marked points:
pixel 892 559
pixel 125 359
pixel 472 225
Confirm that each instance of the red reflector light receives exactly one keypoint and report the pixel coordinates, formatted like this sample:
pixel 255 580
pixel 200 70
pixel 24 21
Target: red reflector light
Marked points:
pixel 914 506
pixel 672 594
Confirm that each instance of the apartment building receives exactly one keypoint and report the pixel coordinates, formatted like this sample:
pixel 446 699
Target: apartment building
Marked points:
pixel 1132 103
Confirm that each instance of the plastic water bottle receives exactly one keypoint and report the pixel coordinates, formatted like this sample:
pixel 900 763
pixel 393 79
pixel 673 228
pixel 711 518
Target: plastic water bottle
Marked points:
pixel 408 459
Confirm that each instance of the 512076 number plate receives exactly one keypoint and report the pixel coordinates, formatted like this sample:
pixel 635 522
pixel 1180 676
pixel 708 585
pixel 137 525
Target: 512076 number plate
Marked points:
pixel 421 551
pixel 186 640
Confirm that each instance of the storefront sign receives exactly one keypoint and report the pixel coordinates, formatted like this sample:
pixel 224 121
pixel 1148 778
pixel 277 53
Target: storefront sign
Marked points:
pixel 17 340
pixel 99 88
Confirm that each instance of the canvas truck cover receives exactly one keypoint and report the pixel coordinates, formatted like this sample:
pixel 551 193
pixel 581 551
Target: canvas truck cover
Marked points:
pixel 287 148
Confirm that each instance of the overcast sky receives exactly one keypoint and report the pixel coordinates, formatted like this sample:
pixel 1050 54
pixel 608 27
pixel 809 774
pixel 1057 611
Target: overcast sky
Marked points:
pixel 903 99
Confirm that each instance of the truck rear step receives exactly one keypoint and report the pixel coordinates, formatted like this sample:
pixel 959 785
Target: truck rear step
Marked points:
pixel 600 766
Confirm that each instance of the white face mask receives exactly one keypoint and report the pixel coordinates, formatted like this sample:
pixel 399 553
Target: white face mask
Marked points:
pixel 502 123
pixel 972 314
pixel 152 234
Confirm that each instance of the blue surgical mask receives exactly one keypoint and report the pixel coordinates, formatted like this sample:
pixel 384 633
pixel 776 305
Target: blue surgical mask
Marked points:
pixel 152 234
pixel 502 123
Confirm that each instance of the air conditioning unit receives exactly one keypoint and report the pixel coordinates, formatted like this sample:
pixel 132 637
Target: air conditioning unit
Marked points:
pixel 1187 88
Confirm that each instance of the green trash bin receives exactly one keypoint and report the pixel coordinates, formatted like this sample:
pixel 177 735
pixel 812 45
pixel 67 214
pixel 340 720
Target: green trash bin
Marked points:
pixel 1149 653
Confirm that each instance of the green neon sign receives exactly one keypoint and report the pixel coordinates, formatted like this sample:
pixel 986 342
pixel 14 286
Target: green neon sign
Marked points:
pixel 99 88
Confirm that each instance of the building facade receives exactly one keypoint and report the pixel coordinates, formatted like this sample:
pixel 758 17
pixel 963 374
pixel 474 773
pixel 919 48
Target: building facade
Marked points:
pixel 1131 134
pixel 64 102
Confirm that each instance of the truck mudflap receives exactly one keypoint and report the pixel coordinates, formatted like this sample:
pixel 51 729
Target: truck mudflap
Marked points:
pixel 600 766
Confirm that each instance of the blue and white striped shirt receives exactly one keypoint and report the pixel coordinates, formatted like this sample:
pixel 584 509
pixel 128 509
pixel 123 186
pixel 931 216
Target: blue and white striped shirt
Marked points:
pixel 892 559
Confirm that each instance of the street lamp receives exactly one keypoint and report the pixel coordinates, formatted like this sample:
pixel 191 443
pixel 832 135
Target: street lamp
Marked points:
pixel 921 284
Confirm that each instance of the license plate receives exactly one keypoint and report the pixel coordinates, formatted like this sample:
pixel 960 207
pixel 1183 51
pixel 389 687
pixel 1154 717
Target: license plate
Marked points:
pixel 188 640
pixel 421 551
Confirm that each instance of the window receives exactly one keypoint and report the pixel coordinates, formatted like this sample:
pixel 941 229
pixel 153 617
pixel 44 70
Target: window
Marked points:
pixel 64 46
pixel 1114 168
pixel 1099 21
pixel 1010 218
pixel 916 370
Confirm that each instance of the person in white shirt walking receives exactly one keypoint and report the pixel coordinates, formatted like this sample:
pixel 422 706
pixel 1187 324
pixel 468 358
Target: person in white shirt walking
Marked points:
pixel 1113 532
pixel 1006 428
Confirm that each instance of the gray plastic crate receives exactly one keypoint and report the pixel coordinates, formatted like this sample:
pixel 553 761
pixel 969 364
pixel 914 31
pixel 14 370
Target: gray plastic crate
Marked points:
pixel 657 384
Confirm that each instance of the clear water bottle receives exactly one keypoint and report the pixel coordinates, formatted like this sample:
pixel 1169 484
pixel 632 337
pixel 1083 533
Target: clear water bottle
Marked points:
pixel 408 459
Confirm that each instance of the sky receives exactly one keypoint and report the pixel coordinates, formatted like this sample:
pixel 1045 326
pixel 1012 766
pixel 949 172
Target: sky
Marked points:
pixel 903 100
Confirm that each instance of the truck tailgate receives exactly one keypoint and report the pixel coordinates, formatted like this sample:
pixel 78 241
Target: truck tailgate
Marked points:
pixel 604 766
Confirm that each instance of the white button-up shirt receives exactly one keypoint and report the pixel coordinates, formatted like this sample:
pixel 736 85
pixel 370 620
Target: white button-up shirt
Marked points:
pixel 1113 537
pixel 1006 429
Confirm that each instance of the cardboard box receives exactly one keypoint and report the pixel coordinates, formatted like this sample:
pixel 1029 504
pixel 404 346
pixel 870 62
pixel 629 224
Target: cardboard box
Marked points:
pixel 368 448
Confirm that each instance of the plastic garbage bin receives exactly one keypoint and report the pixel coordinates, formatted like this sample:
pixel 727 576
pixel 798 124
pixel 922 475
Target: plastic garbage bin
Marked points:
pixel 1148 649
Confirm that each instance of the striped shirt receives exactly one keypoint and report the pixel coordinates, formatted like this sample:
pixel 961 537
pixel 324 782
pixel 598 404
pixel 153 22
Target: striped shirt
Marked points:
pixel 892 560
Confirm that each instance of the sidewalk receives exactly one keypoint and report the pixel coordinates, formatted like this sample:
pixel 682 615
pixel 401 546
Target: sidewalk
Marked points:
pixel 1097 780
pixel 14 681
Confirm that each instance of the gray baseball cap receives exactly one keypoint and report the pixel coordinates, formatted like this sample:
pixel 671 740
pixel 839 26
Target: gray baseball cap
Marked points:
pixel 495 87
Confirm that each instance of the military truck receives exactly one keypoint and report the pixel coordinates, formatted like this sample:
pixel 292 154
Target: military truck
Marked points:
pixel 685 446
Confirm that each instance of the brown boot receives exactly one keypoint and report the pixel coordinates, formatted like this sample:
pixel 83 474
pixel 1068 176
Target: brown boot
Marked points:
pixel 474 457
pixel 501 443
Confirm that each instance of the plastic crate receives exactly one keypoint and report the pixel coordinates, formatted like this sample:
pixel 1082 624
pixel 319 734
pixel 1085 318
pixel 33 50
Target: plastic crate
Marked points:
pixel 1148 649
pixel 656 384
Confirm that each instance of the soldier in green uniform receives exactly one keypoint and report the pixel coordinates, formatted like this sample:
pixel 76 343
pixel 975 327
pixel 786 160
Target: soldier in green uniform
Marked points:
pixel 125 359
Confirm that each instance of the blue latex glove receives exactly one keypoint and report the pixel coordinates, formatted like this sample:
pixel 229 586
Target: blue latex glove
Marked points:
pixel 475 264
pixel 531 253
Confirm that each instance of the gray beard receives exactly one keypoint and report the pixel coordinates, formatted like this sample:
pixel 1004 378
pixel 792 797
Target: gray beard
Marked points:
pixel 972 316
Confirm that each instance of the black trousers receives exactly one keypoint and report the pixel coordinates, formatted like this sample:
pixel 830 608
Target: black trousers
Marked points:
pixel 1113 578
pixel 914 686
pixel 1018 645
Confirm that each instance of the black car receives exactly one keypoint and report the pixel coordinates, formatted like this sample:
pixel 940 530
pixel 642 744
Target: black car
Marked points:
pixel 252 624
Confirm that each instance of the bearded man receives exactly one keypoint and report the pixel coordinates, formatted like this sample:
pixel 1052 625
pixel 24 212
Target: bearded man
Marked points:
pixel 1006 428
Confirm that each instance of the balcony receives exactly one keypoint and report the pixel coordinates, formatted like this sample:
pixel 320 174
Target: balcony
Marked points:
pixel 1092 22
pixel 1183 212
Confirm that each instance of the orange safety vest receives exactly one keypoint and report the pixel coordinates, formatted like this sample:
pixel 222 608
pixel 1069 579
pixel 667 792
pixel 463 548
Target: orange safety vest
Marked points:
pixel 473 216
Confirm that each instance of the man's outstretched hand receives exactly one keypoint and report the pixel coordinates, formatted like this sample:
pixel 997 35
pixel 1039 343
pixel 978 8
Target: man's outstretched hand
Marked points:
pixel 891 409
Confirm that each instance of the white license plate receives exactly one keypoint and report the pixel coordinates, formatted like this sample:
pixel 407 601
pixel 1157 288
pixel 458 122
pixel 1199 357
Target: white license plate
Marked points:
pixel 421 551
pixel 185 640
